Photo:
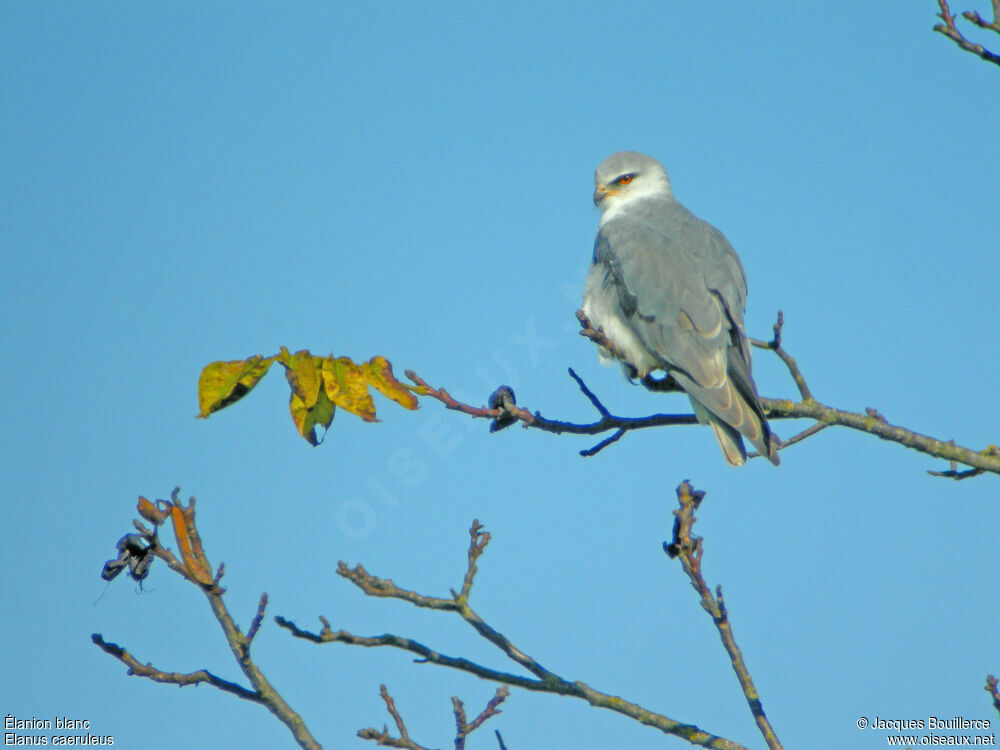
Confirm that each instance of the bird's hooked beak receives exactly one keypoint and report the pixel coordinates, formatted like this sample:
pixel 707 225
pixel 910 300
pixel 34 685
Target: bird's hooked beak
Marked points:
pixel 601 193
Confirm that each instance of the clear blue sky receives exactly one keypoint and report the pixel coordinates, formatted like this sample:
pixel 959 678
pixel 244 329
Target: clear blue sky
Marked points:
pixel 188 182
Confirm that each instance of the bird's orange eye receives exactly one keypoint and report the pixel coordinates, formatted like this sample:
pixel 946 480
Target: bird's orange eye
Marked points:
pixel 625 180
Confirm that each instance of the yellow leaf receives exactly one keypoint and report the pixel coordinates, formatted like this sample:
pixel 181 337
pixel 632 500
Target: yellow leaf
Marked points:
pixel 303 372
pixel 378 373
pixel 223 383
pixel 346 387
pixel 306 418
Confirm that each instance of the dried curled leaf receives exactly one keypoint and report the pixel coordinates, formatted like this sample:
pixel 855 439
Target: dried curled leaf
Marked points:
pixel 195 567
pixel 223 383
pixel 378 373
pixel 150 512
pixel 346 387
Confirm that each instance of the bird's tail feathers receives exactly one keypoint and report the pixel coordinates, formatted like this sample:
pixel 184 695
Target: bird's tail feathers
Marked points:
pixel 754 425
pixel 732 415
pixel 730 442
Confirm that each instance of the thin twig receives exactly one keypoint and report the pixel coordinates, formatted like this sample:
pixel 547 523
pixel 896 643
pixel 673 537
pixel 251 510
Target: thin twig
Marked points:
pixel 384 587
pixel 588 452
pixel 950 30
pixel 458 708
pixel 994 691
pixel 383 738
pixel 988 460
pixel 544 680
pixel 689 550
pixel 464 728
pixel 535 420
pixel 390 706
pixel 257 619
pixel 797 438
pixel 138 669
pixel 871 421
pixel 195 567
pixel 601 408
pixel 981 22
pixel 427 655
pixel 775 345
pixel 553 684
pixel 479 540
pixel 492 709
pixel 473 411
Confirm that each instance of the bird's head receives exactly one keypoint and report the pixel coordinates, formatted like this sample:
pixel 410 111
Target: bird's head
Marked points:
pixel 628 176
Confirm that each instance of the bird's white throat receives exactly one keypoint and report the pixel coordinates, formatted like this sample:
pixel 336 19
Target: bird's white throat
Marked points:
pixel 613 205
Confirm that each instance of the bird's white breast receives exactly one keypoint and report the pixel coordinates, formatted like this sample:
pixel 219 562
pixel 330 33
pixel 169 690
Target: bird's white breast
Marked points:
pixel 603 314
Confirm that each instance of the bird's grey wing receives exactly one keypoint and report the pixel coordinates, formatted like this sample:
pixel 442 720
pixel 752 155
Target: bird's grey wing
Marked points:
pixel 683 288
pixel 679 283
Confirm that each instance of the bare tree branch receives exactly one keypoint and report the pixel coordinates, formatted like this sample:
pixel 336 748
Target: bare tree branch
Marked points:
pixel 689 550
pixel 950 30
pixel 477 544
pixel 603 444
pixel 463 727
pixel 992 688
pixel 799 437
pixel 987 460
pixel 383 738
pixel 138 669
pixel 426 654
pixel 793 368
pixel 193 566
pixel 544 680
pixel 607 422
pixel 258 619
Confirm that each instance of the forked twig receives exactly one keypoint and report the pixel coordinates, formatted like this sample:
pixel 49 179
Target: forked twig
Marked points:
pixel 193 566
pixel 688 549
pixel 950 30
pixel 506 412
pixel 542 679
